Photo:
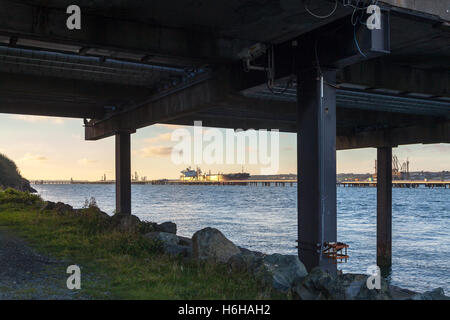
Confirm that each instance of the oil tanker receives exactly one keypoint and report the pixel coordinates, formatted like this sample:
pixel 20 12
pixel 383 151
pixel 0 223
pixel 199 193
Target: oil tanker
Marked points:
pixel 197 175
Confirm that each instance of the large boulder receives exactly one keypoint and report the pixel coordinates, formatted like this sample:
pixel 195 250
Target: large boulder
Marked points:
pixel 168 227
pixel 184 241
pixel 48 206
pixel 436 294
pixel 62 208
pixel 283 270
pixel 126 223
pixel 275 270
pixel 59 207
pixel 211 245
pixel 172 244
pixel 165 237
pixel 178 250
pixel 398 293
pixel 319 285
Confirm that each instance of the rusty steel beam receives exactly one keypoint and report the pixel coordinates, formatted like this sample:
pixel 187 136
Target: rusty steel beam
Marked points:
pixel 123 173
pixel 384 207
pixel 316 166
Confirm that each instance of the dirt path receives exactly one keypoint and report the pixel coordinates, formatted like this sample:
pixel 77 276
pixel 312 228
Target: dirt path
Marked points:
pixel 25 274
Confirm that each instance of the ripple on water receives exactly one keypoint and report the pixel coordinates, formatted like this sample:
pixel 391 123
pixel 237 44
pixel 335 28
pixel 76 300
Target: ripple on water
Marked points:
pixel 265 219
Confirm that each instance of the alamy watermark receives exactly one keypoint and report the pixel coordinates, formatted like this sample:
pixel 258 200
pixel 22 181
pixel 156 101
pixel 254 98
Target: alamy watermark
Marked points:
pixel 74 280
pixel 374 279
pixel 215 146
pixel 374 20
pixel 73 22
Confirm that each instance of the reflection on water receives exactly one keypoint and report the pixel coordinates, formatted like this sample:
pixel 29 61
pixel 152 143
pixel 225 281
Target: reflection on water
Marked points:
pixel 265 219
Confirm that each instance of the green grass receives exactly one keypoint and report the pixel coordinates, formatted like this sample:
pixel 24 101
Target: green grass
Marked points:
pixel 120 265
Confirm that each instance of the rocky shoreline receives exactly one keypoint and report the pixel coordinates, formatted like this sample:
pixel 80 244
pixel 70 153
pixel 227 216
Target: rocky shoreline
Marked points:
pixel 283 273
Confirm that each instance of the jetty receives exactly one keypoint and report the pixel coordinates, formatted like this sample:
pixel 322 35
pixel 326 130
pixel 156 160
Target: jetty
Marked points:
pixel 307 68
pixel 265 183
pixel 398 184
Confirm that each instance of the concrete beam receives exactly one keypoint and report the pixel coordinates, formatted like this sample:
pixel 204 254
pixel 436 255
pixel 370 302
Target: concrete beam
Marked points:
pixel 197 95
pixel 53 90
pixel 158 43
pixel 438 132
pixel 52 96
pixel 430 131
pixel 50 108
pixel 439 8
pixel 385 73
pixel 332 45
pixel 266 113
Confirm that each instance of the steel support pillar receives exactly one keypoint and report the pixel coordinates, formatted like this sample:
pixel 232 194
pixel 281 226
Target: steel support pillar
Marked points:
pixel 123 173
pixel 316 166
pixel 384 207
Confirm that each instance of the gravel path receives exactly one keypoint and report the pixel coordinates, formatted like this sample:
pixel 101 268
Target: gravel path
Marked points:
pixel 25 274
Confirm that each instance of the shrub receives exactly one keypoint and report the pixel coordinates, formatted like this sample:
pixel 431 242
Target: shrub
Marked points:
pixel 11 195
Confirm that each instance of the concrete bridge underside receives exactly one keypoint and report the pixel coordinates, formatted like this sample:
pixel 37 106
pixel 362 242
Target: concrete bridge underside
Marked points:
pixel 338 86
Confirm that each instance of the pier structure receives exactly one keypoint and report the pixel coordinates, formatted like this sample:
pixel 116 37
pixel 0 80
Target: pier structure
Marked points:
pixel 399 184
pixel 306 67
pixel 264 183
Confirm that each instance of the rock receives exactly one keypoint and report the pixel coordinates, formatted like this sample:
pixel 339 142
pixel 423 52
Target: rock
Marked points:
pixel 126 222
pixel 276 270
pixel 147 227
pixel 175 250
pixel 172 244
pixel 48 206
pixel 247 251
pixel 247 262
pixel 168 239
pixel 436 294
pixel 398 293
pixel 62 208
pixel 359 281
pixel 313 287
pixel 184 241
pixel 168 227
pixel 319 285
pixel 100 213
pixel 211 245
pixel 282 270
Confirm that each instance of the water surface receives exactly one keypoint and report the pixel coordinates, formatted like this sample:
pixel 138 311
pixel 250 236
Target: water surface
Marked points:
pixel 265 219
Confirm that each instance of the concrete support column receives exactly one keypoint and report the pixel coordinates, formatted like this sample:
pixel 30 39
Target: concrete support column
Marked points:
pixel 123 173
pixel 384 207
pixel 316 166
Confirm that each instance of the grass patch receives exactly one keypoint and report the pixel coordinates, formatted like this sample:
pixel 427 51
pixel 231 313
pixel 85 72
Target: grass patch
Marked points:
pixel 118 265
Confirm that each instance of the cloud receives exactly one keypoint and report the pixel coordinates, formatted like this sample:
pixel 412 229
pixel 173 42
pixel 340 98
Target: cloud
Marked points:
pixel 155 151
pixel 163 137
pixel 86 162
pixel 443 148
pixel 35 119
pixel 33 157
pixel 169 126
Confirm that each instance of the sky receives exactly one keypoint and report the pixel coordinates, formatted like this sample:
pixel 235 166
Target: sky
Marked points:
pixel 54 148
